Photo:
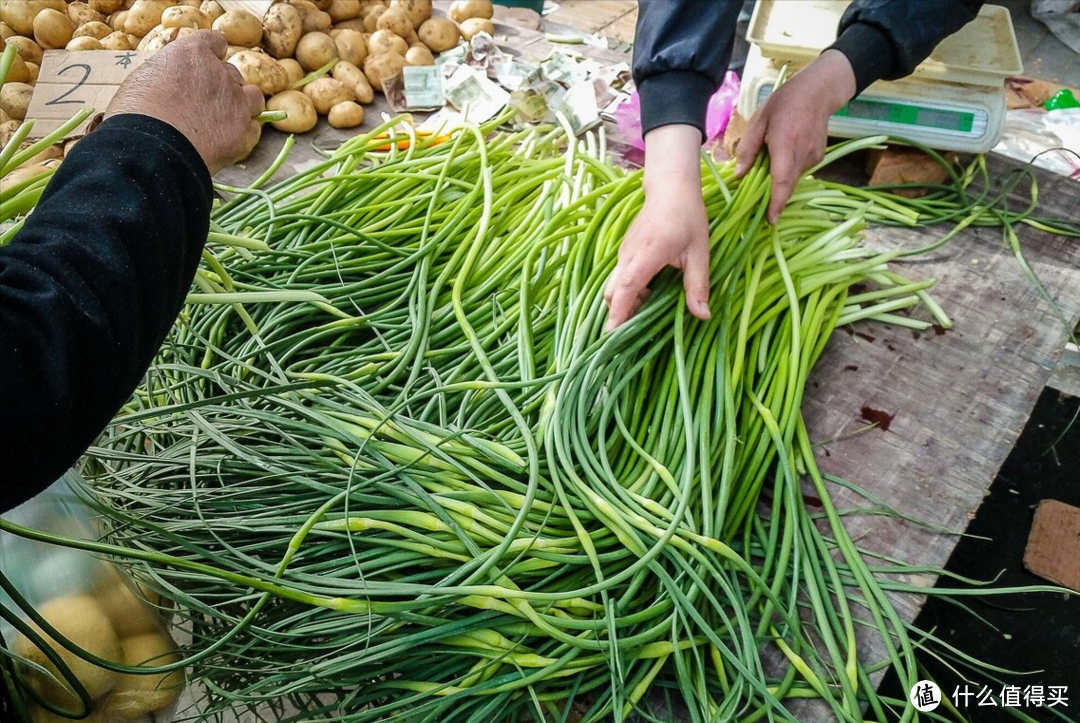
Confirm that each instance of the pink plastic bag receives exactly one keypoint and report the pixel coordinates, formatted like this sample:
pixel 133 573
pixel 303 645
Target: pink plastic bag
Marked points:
pixel 721 106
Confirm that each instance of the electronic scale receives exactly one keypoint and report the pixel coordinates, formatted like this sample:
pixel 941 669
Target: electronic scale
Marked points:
pixel 955 99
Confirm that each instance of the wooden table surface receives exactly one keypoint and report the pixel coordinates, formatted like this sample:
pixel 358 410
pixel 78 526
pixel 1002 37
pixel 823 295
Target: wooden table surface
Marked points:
pixel 959 399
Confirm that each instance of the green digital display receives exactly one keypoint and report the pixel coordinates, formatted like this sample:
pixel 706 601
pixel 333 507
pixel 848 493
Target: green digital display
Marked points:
pixel 908 114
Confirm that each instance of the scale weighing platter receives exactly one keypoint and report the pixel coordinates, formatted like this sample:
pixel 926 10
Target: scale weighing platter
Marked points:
pixel 955 100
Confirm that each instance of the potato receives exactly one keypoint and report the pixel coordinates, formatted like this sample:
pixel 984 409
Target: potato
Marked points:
pixel 144 15
pixel 439 34
pixel 117 20
pixel 28 50
pixel 351 46
pixel 93 29
pixel 136 696
pixel 106 7
pixel 116 41
pixel 86 42
pixel 50 153
pixel 419 55
pixel 356 24
pixel 379 68
pixel 80 13
pixel 211 9
pixel 6 31
pixel 159 38
pixel 301 110
pixel 346 115
pixel 315 22
pixel 53 29
pixel 82 621
pixel 416 10
pixel 239 28
pixel 412 38
pixel 233 50
pixel 325 93
pixel 371 19
pixel 128 614
pixel 384 41
pixel 462 10
pixel 7 130
pixel 341 10
pixel 34 69
pixel 281 30
pixel 472 26
pixel 351 75
pixel 260 69
pixel 292 69
pixel 396 21
pixel 185 16
pixel 19 72
pixel 315 50
pixel 20 15
pixel 15 99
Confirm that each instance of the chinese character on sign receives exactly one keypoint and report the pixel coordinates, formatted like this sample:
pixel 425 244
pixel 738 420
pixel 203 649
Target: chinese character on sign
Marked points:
pixel 962 696
pixel 1010 696
pixel 1056 696
pixel 124 59
pixel 927 695
pixel 1035 695
pixel 986 697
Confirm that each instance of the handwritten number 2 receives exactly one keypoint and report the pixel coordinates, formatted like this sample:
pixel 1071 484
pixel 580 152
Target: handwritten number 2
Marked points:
pixel 59 100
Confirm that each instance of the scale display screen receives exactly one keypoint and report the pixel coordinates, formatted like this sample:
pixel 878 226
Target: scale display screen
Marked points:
pixel 908 114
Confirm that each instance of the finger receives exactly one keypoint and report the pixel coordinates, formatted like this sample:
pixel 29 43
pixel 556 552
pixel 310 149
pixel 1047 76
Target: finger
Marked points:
pixel 751 141
pixel 696 281
pixel 254 98
pixel 630 288
pixel 785 174
pixel 234 74
pixel 212 40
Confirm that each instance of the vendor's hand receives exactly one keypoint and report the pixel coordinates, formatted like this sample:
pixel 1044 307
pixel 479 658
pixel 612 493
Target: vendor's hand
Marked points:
pixel 671 229
pixel 188 85
pixel 794 123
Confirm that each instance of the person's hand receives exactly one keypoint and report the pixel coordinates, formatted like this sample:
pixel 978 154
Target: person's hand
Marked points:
pixel 794 123
pixel 672 228
pixel 188 85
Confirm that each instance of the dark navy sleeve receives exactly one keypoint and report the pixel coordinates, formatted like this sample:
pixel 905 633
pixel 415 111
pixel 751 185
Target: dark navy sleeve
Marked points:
pixel 89 288
pixel 681 52
pixel 886 39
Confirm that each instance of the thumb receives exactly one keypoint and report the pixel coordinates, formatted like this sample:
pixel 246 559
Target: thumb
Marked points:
pixel 696 280
pixel 751 142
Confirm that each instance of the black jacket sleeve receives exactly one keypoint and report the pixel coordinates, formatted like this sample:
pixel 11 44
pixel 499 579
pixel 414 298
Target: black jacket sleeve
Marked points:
pixel 88 290
pixel 683 47
pixel 681 51
pixel 886 39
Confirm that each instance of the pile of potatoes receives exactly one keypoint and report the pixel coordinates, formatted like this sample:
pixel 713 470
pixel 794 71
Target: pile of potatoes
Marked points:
pixel 115 624
pixel 361 42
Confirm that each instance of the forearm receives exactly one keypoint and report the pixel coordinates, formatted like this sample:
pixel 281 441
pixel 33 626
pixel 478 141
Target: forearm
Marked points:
pixel 681 51
pixel 887 39
pixel 88 290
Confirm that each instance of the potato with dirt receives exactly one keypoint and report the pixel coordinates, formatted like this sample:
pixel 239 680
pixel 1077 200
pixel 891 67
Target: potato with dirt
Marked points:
pixel 315 50
pixel 354 78
pixel 439 34
pixel 282 29
pixel 325 93
pixel 260 70
pixel 239 28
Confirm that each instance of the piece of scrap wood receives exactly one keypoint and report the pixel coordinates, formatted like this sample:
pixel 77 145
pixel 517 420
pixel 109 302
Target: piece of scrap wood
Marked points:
pixel 1053 548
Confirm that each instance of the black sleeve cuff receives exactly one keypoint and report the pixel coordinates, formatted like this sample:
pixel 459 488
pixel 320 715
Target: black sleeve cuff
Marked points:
pixel 158 131
pixel 676 96
pixel 870 52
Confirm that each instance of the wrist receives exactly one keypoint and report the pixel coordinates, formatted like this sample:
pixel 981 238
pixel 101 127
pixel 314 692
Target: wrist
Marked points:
pixel 836 79
pixel 672 159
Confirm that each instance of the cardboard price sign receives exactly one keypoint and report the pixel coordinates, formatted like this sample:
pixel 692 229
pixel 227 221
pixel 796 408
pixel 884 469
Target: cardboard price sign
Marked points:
pixel 71 81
